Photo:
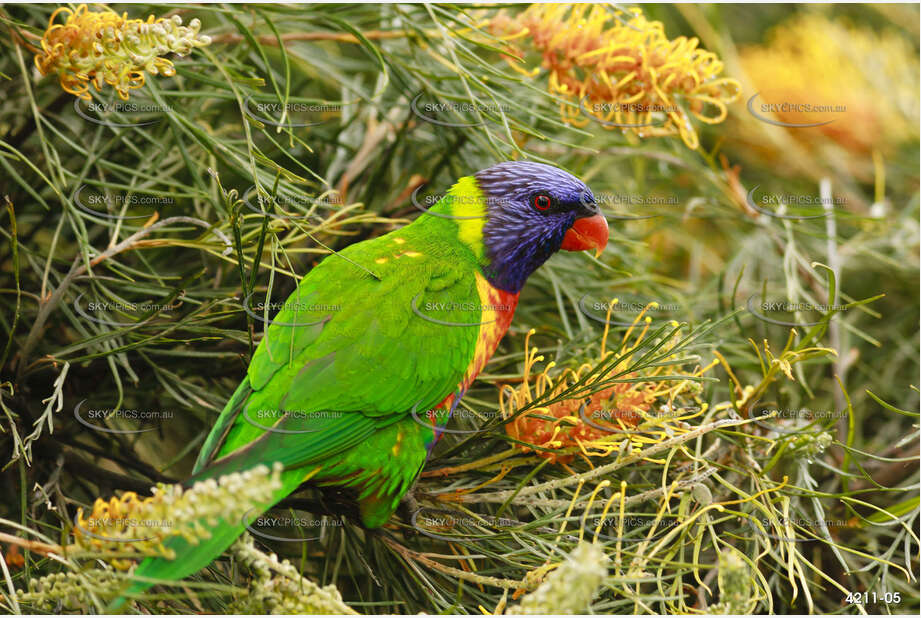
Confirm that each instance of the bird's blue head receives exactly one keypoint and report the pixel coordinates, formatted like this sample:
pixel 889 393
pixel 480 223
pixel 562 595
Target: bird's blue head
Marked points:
pixel 532 211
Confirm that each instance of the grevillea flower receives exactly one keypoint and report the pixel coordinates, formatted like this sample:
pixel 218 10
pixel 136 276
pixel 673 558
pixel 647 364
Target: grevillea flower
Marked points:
pixel 139 527
pixel 621 69
pixel 101 47
pixel 569 589
pixel 72 590
pixel 854 86
pixel 644 411
pixel 279 587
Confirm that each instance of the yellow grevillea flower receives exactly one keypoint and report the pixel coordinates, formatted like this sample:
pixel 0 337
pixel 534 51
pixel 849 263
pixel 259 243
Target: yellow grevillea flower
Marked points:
pixel 103 47
pixel 621 69
pixel 597 424
pixel 826 78
pixel 130 527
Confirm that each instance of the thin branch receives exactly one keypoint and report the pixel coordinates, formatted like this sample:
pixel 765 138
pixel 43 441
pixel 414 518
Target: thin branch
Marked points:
pixel 76 270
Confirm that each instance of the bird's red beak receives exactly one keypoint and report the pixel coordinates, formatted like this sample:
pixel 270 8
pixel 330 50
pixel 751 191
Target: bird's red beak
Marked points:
pixel 587 233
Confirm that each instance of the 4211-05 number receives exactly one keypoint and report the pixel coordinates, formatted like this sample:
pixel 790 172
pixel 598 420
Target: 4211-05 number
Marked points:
pixel 863 598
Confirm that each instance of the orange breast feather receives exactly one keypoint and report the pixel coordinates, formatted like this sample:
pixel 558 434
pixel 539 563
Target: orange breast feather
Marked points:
pixel 497 310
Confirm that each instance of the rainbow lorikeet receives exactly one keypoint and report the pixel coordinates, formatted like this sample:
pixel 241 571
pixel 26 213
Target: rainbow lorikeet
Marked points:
pixel 391 325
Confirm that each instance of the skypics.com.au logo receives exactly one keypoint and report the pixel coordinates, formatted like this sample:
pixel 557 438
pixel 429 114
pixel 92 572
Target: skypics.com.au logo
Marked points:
pixel 287 526
pixel 457 114
pixel 92 416
pixel 799 206
pixel 656 113
pixel 291 421
pixel 290 115
pixel 111 206
pixel 118 114
pixel 627 309
pixel 825 113
pixel 290 206
pixel 115 313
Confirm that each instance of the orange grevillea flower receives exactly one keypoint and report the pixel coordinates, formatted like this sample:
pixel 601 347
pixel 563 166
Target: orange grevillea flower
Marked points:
pixel 621 69
pixel 596 424
pixel 103 47
pixel 827 78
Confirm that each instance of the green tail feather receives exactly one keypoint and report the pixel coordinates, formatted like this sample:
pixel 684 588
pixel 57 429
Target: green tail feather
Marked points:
pixel 191 558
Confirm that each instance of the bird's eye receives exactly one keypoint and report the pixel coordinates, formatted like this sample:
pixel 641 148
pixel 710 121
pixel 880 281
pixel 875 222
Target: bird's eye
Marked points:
pixel 542 201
